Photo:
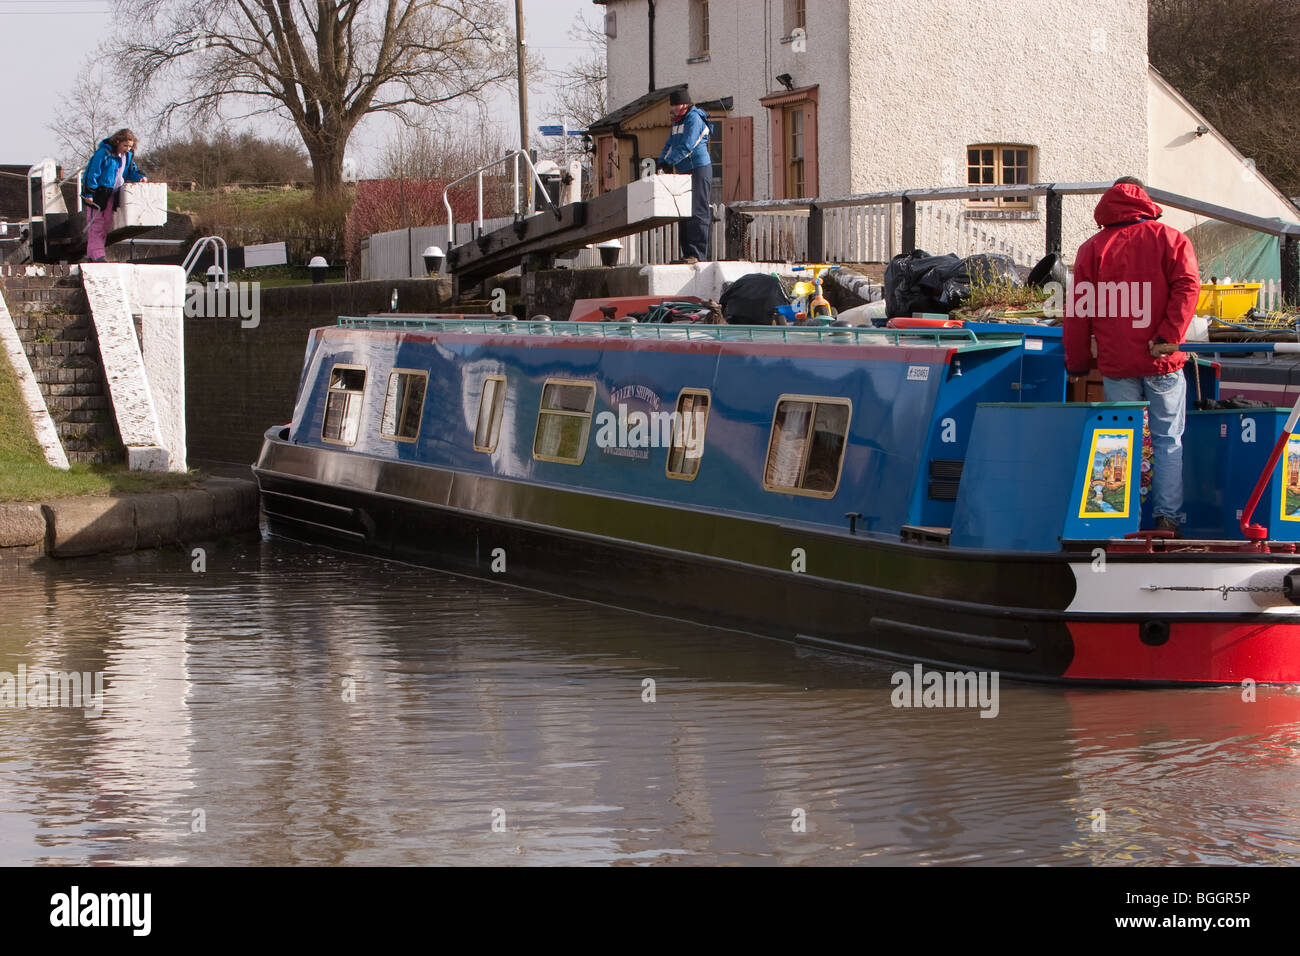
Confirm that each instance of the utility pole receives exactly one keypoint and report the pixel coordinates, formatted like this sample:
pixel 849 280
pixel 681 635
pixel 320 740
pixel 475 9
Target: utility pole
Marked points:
pixel 521 54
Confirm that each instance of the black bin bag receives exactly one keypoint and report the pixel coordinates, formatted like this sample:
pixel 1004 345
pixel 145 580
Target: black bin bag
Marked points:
pixel 753 300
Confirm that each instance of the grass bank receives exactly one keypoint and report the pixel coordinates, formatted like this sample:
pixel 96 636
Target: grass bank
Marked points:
pixel 24 475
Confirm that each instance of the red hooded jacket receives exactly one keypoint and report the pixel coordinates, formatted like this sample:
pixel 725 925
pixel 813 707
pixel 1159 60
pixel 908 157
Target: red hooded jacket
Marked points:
pixel 1136 281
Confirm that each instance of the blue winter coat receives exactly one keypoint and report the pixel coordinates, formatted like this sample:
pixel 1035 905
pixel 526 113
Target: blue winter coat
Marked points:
pixel 688 143
pixel 102 169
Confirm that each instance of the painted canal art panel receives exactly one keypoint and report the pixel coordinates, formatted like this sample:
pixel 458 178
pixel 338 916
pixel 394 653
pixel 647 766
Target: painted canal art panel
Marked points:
pixel 1291 480
pixel 1110 469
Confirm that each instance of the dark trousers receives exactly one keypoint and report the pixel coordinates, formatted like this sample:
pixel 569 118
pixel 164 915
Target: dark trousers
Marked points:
pixel 694 232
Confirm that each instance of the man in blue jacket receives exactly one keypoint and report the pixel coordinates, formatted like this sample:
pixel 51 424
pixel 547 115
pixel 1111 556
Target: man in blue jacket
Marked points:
pixel 687 151
pixel 112 165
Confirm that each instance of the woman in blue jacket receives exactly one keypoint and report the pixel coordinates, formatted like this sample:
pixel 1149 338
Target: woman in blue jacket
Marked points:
pixel 112 165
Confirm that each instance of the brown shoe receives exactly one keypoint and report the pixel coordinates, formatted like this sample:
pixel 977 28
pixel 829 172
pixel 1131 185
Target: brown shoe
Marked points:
pixel 1164 523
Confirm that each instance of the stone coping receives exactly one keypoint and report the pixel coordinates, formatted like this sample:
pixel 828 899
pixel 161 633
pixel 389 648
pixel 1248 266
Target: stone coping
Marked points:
pixel 111 524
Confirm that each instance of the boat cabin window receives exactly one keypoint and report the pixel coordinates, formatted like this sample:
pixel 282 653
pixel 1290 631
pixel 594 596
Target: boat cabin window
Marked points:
pixel 687 445
pixel 806 451
pixel 404 404
pixel 563 421
pixel 343 404
pixel 490 404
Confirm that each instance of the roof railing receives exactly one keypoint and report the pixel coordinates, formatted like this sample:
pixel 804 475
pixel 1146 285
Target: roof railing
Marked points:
pixel 854 335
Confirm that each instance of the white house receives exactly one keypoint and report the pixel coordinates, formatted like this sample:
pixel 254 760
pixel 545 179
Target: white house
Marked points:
pixel 835 97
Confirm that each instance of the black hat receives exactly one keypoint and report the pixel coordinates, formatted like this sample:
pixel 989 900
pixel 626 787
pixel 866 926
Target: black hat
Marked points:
pixel 679 98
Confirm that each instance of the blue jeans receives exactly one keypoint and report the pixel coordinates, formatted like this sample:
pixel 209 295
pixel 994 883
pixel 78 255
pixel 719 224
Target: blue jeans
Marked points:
pixel 694 232
pixel 1167 398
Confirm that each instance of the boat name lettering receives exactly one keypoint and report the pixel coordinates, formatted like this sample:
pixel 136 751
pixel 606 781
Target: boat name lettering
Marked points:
pixel 638 393
pixel 918 373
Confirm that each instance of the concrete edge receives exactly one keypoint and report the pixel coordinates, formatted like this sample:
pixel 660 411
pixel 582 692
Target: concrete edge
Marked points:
pixel 47 436
pixel 94 525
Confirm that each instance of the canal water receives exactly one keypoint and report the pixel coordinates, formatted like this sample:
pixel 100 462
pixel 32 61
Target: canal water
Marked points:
pixel 290 705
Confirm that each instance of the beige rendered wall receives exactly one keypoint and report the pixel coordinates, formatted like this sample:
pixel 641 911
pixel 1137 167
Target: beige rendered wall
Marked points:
pixel 905 87
pixel 746 55
pixel 1067 77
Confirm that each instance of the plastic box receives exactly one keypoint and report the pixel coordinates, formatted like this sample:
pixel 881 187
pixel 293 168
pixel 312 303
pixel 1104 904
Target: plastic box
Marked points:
pixel 1228 301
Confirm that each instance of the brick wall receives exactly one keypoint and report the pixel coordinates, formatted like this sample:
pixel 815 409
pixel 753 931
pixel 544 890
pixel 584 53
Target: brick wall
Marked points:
pixel 239 382
pixel 53 321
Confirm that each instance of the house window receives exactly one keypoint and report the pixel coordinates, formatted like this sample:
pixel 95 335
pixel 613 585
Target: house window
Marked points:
pixel 699 28
pixel 563 421
pixel 805 453
pixel 490 405
pixel 1001 165
pixel 343 404
pixel 794 152
pixel 796 16
pixel 403 405
pixel 687 445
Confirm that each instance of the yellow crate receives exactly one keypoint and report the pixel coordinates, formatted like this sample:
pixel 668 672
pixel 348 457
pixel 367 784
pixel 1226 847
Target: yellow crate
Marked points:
pixel 1228 301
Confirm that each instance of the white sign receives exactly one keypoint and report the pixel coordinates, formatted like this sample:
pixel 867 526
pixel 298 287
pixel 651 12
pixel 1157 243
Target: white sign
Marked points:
pixel 266 254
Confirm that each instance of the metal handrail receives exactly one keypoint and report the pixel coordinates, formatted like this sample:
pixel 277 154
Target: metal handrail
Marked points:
pixel 513 154
pixel 941 193
pixel 221 255
pixel 679 330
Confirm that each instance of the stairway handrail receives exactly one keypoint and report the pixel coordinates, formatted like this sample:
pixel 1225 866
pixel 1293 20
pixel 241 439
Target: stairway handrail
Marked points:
pixel 514 154
pixel 221 254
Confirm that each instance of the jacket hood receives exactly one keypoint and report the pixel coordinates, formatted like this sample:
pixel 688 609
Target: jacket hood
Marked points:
pixel 1125 203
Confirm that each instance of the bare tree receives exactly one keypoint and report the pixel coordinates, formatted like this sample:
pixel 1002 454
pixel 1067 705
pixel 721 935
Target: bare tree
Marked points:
pixel 322 64
pixel 89 112
pixel 1236 61
pixel 444 151
pixel 581 89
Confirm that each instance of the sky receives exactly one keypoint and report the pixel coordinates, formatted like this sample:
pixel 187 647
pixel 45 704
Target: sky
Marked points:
pixel 43 44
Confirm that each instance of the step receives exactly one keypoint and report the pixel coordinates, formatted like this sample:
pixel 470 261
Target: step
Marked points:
pixel 62 405
pixel 100 456
pixel 84 416
pixel 65 375
pixel 57 353
pixel 87 431
pixel 76 389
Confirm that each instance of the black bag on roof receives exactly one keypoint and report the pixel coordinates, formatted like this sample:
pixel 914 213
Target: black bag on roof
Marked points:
pixel 921 282
pixel 753 299
pixel 906 290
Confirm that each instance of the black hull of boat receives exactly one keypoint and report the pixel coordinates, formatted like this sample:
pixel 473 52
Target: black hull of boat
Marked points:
pixel 1003 612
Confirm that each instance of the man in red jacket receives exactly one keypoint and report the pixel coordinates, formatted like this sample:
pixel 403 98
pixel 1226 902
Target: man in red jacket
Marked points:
pixel 1135 289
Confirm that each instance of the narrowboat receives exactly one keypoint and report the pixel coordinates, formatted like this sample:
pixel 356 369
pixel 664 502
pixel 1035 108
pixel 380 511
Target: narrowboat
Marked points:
pixel 918 495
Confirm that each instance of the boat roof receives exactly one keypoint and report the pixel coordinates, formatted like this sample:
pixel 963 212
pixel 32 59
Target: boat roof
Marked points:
pixel 964 340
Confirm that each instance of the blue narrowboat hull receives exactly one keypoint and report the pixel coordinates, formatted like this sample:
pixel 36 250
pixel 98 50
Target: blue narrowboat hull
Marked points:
pixel 869 565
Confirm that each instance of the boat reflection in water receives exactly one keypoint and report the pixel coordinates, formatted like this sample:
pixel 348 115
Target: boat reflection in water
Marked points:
pixel 228 692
